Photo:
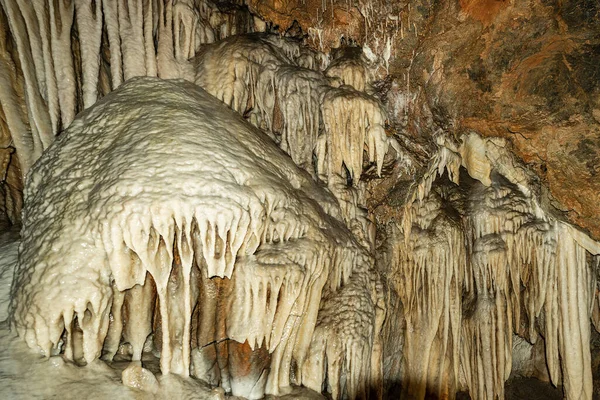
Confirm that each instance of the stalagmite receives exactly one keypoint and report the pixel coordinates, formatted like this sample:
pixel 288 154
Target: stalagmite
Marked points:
pixel 140 378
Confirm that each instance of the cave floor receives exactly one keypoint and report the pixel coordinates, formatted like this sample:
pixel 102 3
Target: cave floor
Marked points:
pixel 531 389
pixel 525 389
pixel 25 375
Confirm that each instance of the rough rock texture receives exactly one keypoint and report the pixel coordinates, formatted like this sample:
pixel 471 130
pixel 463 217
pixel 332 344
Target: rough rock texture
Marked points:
pixel 327 20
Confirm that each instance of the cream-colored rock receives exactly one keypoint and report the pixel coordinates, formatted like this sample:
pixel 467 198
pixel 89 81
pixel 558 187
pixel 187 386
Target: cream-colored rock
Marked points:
pixel 353 121
pixel 473 153
pixel 137 377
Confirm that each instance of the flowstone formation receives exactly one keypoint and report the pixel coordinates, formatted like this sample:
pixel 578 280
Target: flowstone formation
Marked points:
pixel 160 218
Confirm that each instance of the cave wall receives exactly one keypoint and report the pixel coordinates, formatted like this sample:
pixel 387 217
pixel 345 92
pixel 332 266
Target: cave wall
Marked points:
pixel 525 71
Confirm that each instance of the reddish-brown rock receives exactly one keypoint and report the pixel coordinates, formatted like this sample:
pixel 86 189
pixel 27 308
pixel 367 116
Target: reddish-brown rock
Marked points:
pixel 525 71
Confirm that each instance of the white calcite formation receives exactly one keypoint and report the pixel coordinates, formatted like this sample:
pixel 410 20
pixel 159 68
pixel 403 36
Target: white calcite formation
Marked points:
pixel 299 95
pixel 337 345
pixel 273 81
pixel 231 69
pixel 324 126
pixel 353 122
pixel 154 191
pixel 426 270
pixel 43 64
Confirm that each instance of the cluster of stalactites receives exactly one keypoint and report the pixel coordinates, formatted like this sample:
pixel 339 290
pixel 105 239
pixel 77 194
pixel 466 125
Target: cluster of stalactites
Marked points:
pixel 349 65
pixel 479 157
pixel 428 271
pixel 516 271
pixel 296 113
pixel 324 127
pixel 279 272
pixel 223 238
pixel 353 121
pixel 41 96
pixel 308 114
pixel 275 81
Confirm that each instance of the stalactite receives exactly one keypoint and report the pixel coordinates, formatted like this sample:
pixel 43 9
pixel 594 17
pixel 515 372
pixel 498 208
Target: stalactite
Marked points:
pixel 43 17
pixel 149 20
pixel 572 286
pixel 38 117
pixel 33 34
pixel 429 275
pixel 89 22
pixel 131 32
pixel 61 22
pixel 353 121
pixel 255 76
pixel 111 21
pixel 343 341
pixel 167 65
pixel 185 23
pixel 13 111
